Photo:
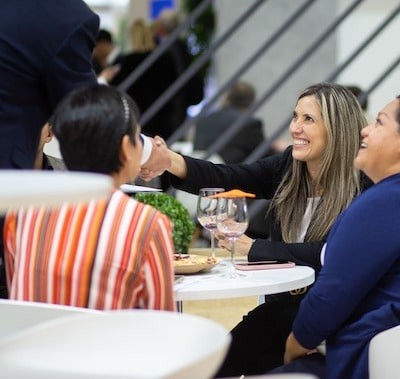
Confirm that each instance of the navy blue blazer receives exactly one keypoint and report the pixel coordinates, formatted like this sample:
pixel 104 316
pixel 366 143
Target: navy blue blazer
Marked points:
pixel 45 52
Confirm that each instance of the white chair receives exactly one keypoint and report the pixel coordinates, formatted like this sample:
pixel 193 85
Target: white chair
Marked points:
pixel 279 376
pixel 120 344
pixel 16 315
pixel 384 359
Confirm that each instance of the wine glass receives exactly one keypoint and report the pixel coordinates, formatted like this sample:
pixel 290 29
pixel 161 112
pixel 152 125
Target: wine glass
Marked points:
pixel 207 212
pixel 232 221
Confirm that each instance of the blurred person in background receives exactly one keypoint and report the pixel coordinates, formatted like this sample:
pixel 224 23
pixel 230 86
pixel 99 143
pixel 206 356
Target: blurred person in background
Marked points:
pixel 193 91
pixel 157 78
pixel 106 53
pixel 209 128
pixel 106 57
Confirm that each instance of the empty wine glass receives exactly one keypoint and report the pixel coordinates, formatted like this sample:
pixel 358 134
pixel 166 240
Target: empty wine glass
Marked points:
pixel 232 221
pixel 207 212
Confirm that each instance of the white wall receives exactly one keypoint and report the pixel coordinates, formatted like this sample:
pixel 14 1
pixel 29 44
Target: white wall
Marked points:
pixel 272 66
pixel 375 59
pixel 362 72
pixel 264 73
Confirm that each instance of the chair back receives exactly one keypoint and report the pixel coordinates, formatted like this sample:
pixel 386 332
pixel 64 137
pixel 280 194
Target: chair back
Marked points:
pixel 119 344
pixel 383 354
pixel 280 376
pixel 16 315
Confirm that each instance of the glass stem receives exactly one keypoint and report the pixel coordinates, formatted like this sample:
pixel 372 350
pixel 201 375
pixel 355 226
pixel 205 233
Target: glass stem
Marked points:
pixel 212 233
pixel 233 270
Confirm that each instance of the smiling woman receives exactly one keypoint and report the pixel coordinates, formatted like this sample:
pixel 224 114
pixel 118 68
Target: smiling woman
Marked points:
pixel 309 185
pixel 380 147
pixel 309 134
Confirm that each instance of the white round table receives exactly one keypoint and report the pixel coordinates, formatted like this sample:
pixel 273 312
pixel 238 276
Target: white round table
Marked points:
pixel 215 285
pixel 23 188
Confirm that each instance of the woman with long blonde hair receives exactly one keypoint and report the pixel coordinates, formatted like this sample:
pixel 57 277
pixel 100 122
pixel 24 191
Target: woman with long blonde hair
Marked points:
pixel 309 184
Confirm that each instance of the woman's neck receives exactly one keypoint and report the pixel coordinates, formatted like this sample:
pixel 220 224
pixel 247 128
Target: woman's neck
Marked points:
pixel 316 189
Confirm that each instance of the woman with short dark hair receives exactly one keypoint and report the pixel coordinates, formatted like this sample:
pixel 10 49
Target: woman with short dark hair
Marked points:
pixel 108 254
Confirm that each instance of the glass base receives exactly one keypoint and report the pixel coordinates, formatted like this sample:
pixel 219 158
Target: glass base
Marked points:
pixel 233 273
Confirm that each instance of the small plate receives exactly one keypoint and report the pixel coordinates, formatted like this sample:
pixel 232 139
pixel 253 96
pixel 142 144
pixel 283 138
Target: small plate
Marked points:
pixel 191 263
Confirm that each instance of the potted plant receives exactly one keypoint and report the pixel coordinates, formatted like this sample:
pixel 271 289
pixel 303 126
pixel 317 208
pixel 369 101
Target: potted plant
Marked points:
pixel 183 225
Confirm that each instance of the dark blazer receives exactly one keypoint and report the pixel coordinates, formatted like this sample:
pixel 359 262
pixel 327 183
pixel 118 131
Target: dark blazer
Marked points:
pixel 261 178
pixel 212 126
pixel 45 52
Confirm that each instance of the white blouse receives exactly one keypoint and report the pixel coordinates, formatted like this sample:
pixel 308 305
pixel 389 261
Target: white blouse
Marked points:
pixel 312 203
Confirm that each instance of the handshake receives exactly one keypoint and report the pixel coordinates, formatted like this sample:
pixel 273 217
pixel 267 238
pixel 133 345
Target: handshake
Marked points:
pixel 155 159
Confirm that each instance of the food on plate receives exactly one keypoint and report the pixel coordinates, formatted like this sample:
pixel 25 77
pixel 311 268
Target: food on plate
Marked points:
pixel 190 263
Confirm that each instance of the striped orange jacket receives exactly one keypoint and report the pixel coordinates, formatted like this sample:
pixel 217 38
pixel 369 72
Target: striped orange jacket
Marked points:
pixel 110 254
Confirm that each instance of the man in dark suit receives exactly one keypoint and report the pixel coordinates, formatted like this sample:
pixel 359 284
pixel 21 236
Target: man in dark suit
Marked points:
pixel 45 52
pixel 209 128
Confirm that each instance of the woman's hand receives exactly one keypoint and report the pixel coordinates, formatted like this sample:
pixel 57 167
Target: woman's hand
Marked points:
pixel 242 246
pixel 294 349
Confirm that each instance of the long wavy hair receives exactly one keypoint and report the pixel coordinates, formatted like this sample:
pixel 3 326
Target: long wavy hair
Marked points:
pixel 339 180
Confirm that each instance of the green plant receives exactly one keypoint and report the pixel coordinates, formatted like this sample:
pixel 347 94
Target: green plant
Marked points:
pixel 184 226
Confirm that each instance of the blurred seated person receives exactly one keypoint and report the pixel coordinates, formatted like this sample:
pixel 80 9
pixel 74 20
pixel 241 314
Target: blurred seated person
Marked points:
pixel 209 128
pixel 106 254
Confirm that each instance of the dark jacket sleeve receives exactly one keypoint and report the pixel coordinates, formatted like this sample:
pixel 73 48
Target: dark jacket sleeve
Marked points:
pixel 304 254
pixel 71 65
pixel 261 177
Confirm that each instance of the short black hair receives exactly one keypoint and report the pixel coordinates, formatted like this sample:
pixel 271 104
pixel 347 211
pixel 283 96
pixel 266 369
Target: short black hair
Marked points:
pixel 104 35
pixel 90 123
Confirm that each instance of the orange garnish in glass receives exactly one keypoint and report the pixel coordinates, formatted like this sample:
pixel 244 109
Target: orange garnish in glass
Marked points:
pixel 233 193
